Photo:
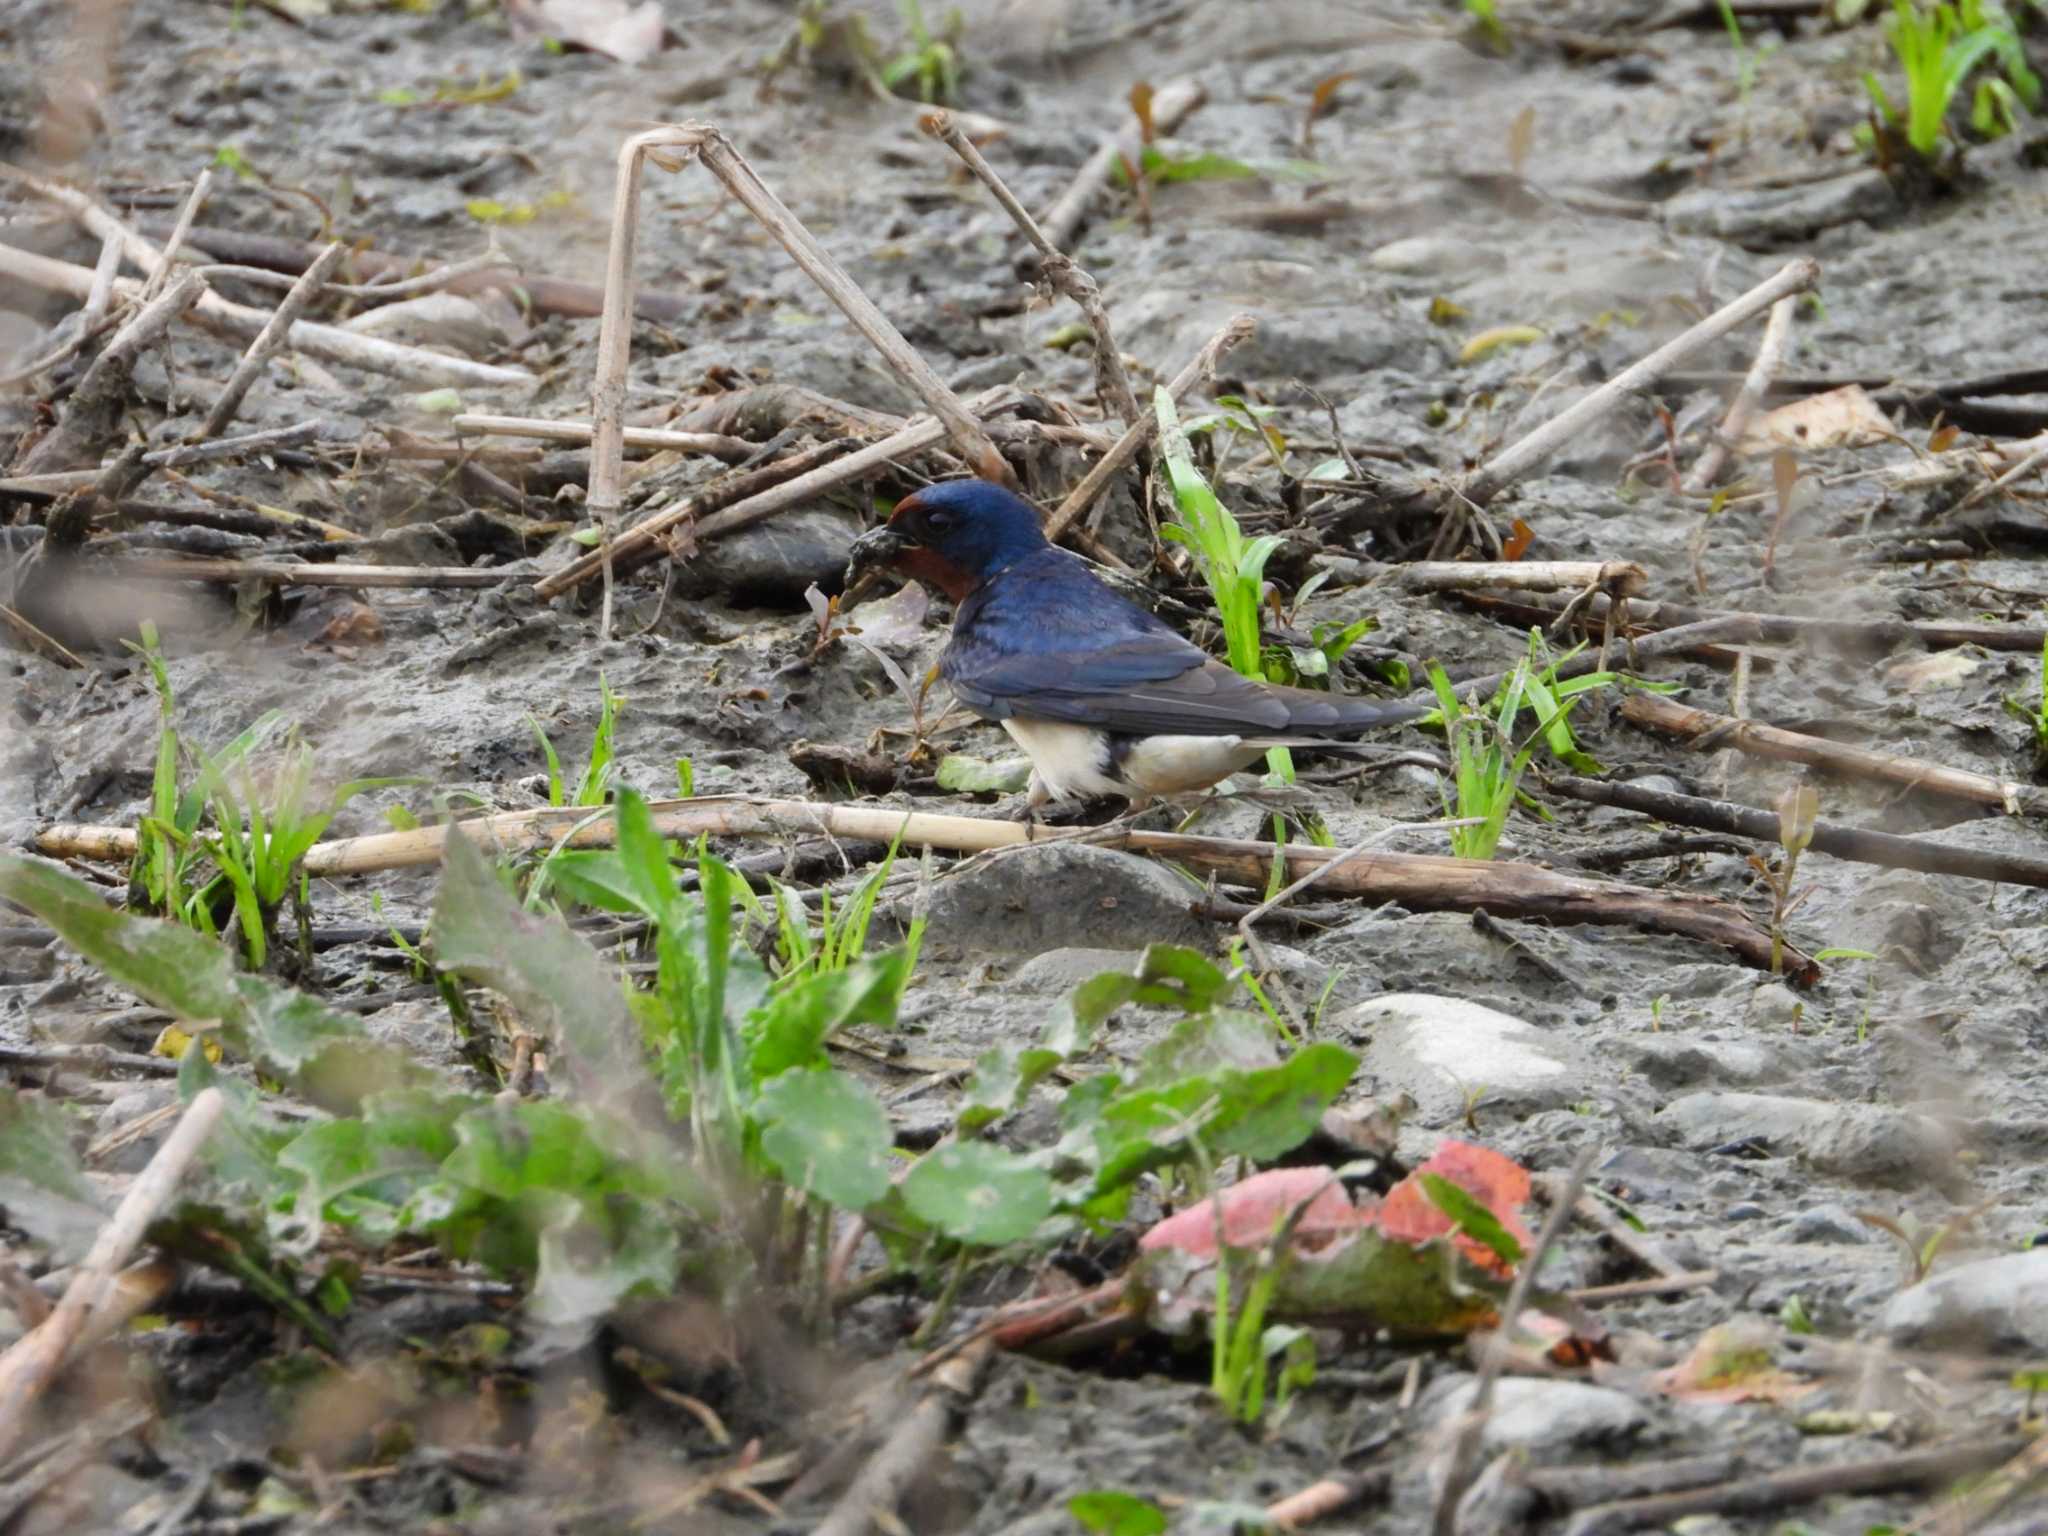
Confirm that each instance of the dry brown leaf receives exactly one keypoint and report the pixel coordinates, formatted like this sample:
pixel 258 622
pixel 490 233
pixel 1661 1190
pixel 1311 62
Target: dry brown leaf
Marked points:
pixel 1840 418
pixel 614 28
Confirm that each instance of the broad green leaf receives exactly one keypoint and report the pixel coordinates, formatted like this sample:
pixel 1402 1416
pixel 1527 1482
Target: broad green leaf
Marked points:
pixel 322 1051
pixel 1109 1513
pixel 592 1258
pixel 978 1193
pixel 791 1029
pixel 975 776
pixel 552 976
pixel 827 1133
pixel 43 1186
pixel 1371 1281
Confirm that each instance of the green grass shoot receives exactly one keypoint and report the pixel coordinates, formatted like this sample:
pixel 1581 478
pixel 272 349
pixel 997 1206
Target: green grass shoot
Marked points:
pixel 1939 47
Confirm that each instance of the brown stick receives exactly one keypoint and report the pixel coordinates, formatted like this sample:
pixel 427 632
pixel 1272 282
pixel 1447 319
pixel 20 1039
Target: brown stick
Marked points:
pixel 1663 1285
pixel 1422 882
pixel 546 295
pixel 326 342
pixel 1795 277
pixel 907 1454
pixel 35 1359
pixel 1126 448
pixel 33 636
pixel 1886 849
pixel 1054 265
pixel 269 341
pixel 767 491
pixel 1778 628
pixel 290 574
pixel 717 445
pixel 1171 104
pixel 1972 1508
pixel 202 186
pixel 1571 1487
pixel 1327 1496
pixel 95 406
pixel 1624 578
pixel 1673 642
pixel 1770 357
pixel 1773 1490
pixel 1708 732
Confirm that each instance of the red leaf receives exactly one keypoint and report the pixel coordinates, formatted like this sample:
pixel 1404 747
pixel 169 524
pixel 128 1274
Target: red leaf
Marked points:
pixel 1253 1210
pixel 1499 1183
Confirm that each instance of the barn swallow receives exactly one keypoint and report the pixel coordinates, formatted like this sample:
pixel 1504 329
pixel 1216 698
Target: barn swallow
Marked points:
pixel 1102 696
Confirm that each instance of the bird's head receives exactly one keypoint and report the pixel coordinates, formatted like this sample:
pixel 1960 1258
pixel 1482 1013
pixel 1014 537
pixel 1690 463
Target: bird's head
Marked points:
pixel 952 536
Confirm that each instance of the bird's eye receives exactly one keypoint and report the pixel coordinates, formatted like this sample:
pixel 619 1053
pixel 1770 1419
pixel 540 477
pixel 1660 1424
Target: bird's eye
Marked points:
pixel 938 522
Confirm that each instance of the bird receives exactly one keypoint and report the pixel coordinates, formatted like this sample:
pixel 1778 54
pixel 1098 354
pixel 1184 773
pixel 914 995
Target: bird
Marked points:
pixel 1106 699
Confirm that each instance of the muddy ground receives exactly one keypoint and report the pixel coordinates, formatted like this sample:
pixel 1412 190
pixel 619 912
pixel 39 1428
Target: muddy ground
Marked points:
pixel 1749 1125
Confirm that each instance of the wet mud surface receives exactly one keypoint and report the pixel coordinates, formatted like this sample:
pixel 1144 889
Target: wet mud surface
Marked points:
pixel 1747 1123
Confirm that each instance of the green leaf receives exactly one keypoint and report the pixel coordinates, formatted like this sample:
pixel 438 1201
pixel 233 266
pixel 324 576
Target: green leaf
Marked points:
pixel 828 1134
pixel 43 1186
pixel 552 976
pixel 978 1193
pixel 323 1052
pixel 974 776
pixel 1108 1513
pixel 1472 1217
pixel 791 1029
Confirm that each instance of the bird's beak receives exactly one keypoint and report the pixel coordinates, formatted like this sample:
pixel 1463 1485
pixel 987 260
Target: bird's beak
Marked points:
pixel 878 547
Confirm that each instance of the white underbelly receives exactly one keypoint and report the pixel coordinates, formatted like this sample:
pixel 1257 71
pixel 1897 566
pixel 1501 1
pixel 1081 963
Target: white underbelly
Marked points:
pixel 1180 765
pixel 1074 761
pixel 1071 761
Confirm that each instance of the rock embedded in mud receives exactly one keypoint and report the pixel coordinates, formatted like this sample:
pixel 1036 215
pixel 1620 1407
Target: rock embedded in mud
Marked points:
pixel 1992 1304
pixel 1441 1050
pixel 1065 895
pixel 774 561
pixel 1864 1143
pixel 1543 1418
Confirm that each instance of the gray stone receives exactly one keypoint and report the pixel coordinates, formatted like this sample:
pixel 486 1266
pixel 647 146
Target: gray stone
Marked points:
pixel 1870 1143
pixel 1546 1418
pixel 1439 1050
pixel 1059 971
pixel 1780 213
pixel 1658 783
pixel 1991 1304
pixel 1680 1061
pixel 1773 1005
pixel 1828 1224
pixel 1065 895
pixel 1430 255
pixel 778 558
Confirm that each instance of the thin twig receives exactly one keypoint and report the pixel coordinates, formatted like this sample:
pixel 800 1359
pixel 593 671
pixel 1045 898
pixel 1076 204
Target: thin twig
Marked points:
pixel 1054 265
pixel 1171 104
pixel 906 1456
pixel 1889 850
pixel 95 406
pixel 718 445
pixel 269 341
pixel 327 342
pixel 1772 1492
pixel 1464 1456
pixel 1795 277
pixel 822 468
pixel 34 1360
pixel 49 645
pixel 1237 329
pixel 1770 357
pixel 2018 472
pixel 202 185
pixel 1707 731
